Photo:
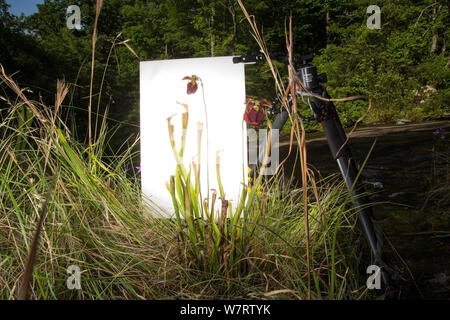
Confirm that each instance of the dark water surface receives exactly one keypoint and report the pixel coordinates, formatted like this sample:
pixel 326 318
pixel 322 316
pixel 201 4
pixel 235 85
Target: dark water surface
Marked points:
pixel 400 173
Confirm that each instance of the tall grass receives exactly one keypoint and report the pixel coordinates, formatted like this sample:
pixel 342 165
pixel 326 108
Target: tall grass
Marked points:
pixel 273 246
pixel 96 221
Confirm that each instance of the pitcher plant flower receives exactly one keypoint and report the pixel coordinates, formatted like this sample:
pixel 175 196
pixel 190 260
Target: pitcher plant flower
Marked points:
pixel 255 110
pixel 192 85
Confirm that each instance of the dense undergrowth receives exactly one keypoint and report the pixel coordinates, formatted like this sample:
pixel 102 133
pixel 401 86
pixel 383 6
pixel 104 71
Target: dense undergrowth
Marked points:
pixel 96 220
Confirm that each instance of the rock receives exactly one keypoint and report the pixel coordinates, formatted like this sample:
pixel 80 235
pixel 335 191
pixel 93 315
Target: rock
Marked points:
pixel 376 184
pixel 402 121
pixel 396 194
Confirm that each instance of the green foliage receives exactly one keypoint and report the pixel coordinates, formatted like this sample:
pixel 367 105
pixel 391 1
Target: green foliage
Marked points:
pixel 96 220
pixel 393 65
pixel 215 239
pixel 96 217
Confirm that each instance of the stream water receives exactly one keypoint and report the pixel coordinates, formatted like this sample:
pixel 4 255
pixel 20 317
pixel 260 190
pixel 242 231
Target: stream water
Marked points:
pixel 399 174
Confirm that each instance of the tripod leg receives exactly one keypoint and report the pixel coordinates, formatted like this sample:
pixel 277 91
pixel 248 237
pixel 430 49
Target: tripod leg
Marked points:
pixel 336 138
pixel 280 120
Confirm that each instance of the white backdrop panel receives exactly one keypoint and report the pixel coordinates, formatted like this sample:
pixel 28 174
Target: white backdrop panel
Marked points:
pixel 161 86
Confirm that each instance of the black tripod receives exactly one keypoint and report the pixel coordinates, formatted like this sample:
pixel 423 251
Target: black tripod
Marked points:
pixel 325 113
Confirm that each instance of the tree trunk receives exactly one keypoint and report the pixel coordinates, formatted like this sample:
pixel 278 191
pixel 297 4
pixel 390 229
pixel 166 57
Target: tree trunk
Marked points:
pixel 213 39
pixel 435 39
pixel 328 28
pixel 234 38
pixel 434 43
pixel 444 45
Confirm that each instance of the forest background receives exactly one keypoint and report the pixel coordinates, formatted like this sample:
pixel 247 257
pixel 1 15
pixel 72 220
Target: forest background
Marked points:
pixel 403 66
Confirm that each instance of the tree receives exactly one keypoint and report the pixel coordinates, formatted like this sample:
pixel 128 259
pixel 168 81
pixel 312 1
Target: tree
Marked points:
pixel 390 64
